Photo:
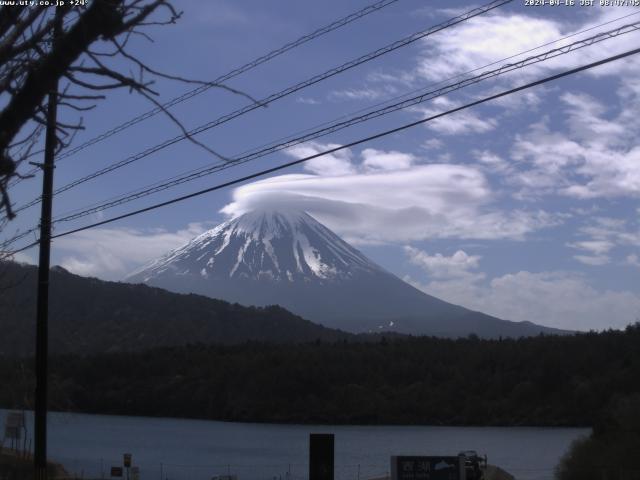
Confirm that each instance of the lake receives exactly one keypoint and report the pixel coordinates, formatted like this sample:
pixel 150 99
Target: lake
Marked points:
pixel 178 449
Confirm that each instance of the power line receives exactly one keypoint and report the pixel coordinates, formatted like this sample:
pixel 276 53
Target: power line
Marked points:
pixel 452 77
pixel 223 78
pixel 357 142
pixel 429 95
pixel 281 94
pixel 271 148
pixel 17 237
pixel 203 171
pixel 348 145
pixel 441 82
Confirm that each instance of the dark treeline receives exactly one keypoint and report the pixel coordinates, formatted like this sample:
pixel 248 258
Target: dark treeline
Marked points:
pixel 545 380
pixel 611 451
pixel 87 316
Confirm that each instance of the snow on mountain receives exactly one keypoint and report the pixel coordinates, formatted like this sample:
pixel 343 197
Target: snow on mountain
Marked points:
pixel 275 245
pixel 286 257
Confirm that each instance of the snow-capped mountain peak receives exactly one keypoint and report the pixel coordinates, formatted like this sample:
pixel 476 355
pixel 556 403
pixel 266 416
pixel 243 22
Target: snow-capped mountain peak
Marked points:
pixel 287 258
pixel 278 245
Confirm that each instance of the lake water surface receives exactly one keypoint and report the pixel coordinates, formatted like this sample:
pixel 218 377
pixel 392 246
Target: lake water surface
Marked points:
pixel 177 449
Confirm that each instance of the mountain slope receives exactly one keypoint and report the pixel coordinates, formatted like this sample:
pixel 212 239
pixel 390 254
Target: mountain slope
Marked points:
pixel 88 315
pixel 290 259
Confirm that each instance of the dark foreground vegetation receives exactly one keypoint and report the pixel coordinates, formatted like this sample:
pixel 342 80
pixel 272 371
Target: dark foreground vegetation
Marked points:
pixel 16 466
pixel 546 380
pixel 87 315
pixel 611 452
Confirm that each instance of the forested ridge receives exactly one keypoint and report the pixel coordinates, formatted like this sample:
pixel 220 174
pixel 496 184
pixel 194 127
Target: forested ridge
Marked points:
pixel 545 380
pixel 88 315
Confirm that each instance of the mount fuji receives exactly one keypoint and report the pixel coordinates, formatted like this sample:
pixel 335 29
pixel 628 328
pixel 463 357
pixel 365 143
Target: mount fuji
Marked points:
pixel 288 258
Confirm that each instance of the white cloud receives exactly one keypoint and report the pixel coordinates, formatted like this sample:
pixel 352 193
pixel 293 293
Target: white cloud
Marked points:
pixel 585 118
pixel 601 236
pixel 338 163
pixel 432 144
pixel 634 260
pixel 560 299
pixel 482 40
pixel 379 160
pixel 596 157
pixel 442 12
pixel 597 247
pixel 525 101
pixel 610 174
pixel 611 165
pixel 556 299
pixel 604 234
pixel 459 123
pixel 402 78
pixel 22 257
pixel 111 253
pixel 587 211
pixel 490 38
pixel 363 93
pixel 548 150
pixel 629 238
pixel 602 228
pixel 457 265
pixel 542 157
pixel 308 101
pixel 444 158
pixel 491 161
pixel 424 201
pixel 593 260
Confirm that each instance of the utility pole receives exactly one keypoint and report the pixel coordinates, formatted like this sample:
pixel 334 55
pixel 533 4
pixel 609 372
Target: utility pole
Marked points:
pixel 42 320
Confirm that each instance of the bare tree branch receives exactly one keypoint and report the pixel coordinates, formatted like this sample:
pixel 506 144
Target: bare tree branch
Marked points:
pixel 30 64
pixel 185 132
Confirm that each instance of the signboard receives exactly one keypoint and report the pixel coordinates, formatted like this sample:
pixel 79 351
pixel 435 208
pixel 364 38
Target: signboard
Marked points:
pixel 116 471
pixel 13 425
pixel 427 468
pixel 127 460
pixel 12 433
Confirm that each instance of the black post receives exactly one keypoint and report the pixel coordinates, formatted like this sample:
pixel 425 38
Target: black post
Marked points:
pixel 42 333
pixel 321 452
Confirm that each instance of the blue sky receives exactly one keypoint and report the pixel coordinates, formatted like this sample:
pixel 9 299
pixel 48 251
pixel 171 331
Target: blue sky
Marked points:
pixel 525 208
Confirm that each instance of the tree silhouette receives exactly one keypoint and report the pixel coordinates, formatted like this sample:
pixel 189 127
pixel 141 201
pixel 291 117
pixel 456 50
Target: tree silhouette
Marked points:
pixel 89 57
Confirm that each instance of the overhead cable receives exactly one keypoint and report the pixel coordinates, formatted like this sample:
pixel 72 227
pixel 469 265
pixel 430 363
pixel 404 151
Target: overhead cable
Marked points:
pixel 223 78
pixel 277 96
pixel 343 147
pixel 429 95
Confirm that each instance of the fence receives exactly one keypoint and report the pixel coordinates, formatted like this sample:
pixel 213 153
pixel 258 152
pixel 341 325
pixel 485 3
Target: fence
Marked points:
pixel 300 471
pixel 101 469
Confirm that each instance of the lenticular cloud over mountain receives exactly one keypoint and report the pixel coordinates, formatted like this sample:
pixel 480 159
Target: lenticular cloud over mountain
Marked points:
pixel 397 206
pixel 286 257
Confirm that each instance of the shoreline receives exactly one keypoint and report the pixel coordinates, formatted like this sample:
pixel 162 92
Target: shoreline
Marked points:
pixel 306 424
